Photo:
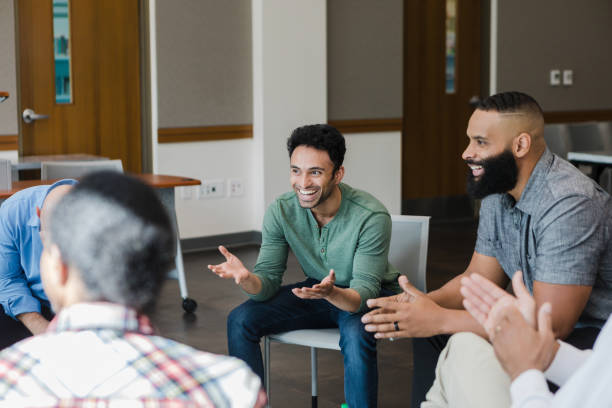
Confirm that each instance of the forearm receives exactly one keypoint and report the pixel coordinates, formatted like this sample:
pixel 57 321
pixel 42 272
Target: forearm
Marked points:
pixel 251 284
pixel 455 321
pixel 449 295
pixel 35 322
pixel 344 298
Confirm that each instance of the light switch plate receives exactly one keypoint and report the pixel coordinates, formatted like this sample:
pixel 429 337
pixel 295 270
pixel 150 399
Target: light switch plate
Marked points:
pixel 555 77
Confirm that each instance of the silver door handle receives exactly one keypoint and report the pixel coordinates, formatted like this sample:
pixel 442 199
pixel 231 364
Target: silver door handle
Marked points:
pixel 30 116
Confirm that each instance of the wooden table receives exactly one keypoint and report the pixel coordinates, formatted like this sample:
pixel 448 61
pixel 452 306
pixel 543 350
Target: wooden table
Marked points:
pixel 164 186
pixel 598 160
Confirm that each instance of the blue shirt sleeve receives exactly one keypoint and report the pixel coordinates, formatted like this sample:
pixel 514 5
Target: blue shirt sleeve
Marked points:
pixel 15 294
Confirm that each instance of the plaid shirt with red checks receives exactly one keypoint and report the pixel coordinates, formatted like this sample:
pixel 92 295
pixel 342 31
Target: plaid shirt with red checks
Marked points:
pixel 93 353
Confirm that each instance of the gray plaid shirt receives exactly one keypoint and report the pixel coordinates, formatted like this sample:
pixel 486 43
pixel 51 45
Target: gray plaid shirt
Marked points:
pixel 559 232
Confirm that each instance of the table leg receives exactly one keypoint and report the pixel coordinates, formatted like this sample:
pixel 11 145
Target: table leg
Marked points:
pixel 166 196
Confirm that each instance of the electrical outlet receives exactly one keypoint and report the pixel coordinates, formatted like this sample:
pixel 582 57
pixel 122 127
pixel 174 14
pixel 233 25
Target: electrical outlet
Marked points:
pixel 236 187
pixel 215 188
pixel 211 189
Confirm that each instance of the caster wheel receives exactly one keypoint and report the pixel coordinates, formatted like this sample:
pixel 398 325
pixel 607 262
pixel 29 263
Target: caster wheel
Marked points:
pixel 189 305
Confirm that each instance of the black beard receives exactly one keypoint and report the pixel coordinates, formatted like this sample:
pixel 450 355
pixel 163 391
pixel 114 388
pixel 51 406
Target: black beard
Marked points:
pixel 500 175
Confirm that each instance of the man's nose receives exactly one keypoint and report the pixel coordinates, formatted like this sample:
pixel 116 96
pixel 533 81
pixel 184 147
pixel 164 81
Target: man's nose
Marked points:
pixel 304 179
pixel 467 153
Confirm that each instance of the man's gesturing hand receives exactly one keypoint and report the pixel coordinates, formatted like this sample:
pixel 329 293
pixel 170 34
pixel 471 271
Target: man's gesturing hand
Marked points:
pixel 232 268
pixel 318 291
pixel 409 314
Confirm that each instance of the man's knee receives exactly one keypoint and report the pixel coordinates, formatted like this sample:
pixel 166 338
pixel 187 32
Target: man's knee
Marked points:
pixel 241 319
pixel 353 335
pixel 463 346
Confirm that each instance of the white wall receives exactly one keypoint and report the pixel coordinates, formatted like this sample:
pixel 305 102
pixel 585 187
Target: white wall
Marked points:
pixel 224 160
pixel 289 83
pixel 373 163
pixel 9 155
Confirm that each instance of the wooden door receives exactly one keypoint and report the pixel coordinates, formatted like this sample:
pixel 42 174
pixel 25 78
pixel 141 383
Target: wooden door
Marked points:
pixel 435 121
pixel 104 116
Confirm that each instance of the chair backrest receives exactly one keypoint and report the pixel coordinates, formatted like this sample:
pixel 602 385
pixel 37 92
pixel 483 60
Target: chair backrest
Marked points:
pixel 408 249
pixel 558 139
pixel 586 137
pixel 73 169
pixel 5 174
pixel 605 129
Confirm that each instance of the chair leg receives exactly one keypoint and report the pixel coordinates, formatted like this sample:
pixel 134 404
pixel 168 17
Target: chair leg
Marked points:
pixel 313 376
pixel 267 368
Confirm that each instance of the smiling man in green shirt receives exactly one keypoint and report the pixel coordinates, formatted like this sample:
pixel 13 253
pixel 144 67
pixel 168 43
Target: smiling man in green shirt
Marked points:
pixel 340 237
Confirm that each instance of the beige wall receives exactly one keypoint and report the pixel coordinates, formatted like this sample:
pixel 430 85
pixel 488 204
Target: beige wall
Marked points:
pixel 8 76
pixel 204 62
pixel 364 56
pixel 536 36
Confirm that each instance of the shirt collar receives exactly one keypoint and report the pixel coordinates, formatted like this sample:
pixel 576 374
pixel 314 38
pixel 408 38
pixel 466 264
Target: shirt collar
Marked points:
pixel 34 220
pixel 100 315
pixel 530 197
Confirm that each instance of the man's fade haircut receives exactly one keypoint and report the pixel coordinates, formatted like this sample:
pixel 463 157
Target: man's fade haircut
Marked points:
pixel 321 137
pixel 510 102
pixel 115 232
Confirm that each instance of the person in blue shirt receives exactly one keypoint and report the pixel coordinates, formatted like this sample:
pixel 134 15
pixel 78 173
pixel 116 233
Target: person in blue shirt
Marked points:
pixel 25 307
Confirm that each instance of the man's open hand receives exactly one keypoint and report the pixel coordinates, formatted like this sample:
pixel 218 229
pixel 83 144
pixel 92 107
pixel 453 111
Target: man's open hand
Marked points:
pixel 320 290
pixel 232 268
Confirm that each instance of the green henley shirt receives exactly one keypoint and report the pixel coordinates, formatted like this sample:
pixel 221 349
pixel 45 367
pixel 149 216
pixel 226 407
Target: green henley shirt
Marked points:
pixel 355 244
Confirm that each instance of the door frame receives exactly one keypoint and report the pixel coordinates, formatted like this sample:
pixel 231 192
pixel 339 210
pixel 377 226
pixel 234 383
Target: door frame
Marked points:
pixel 145 84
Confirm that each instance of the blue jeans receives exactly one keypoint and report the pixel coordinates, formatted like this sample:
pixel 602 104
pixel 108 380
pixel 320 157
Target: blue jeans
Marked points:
pixel 252 320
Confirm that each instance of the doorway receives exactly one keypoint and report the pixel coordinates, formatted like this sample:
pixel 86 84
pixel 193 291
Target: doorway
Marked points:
pixel 82 76
pixel 442 72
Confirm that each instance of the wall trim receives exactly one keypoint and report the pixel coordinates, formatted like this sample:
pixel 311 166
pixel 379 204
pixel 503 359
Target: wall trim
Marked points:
pixel 578 116
pixel 367 125
pixel 9 142
pixel 213 241
pixel 204 133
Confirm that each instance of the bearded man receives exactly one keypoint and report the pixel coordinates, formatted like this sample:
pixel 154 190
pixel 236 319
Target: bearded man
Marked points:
pixel 539 215
pixel 340 237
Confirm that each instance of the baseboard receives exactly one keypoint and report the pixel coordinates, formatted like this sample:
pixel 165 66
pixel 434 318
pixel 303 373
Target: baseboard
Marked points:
pixel 213 241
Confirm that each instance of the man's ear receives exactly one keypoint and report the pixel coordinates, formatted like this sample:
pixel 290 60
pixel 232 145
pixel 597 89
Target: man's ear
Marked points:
pixel 60 269
pixel 521 145
pixel 339 175
pixel 38 211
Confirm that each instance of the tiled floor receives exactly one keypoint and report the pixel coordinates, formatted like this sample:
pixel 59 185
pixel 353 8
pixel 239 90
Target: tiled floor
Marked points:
pixel 450 247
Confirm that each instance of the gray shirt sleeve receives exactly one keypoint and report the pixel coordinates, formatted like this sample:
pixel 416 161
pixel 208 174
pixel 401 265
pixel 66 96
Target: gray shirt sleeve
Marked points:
pixel 487 242
pixel 568 242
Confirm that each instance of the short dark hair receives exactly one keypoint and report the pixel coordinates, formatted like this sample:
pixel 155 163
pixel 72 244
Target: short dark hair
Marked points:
pixel 321 137
pixel 114 230
pixel 510 102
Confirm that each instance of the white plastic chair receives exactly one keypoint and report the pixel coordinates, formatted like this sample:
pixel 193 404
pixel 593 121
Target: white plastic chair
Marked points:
pixel 52 170
pixel 6 174
pixel 407 252
pixel 558 139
